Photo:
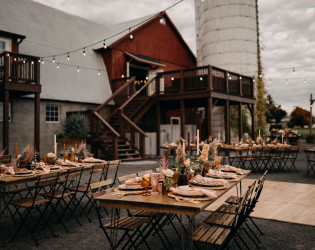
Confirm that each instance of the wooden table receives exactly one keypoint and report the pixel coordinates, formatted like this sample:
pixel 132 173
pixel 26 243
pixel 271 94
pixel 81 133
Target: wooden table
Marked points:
pixel 162 203
pixel 6 181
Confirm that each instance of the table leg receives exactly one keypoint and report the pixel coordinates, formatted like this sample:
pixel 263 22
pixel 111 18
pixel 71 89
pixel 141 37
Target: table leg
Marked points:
pixel 182 230
pixel 115 214
pixel 3 200
pixel 191 220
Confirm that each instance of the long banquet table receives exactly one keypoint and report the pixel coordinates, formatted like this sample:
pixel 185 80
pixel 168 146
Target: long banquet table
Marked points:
pixel 6 181
pixel 162 203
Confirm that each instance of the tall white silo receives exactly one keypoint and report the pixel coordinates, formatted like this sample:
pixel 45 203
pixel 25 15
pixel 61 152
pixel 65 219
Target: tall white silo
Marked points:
pixel 227 34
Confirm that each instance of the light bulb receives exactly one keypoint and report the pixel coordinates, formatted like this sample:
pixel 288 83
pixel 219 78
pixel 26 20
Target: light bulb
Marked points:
pixel 57 65
pixel 201 79
pixel 78 69
pixel 305 80
pixel 84 52
pixel 240 78
pixel 32 62
pixel 122 76
pixel 68 57
pixel 147 78
pixel 42 61
pixel 53 59
pixel 99 72
pixel 172 78
pixel 104 45
pixel 130 35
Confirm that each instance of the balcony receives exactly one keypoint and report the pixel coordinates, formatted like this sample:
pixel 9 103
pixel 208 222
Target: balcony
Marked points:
pixel 19 73
pixel 205 80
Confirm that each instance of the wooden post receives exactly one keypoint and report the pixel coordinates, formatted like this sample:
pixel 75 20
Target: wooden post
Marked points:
pixel 311 117
pixel 115 147
pixel 253 121
pixel 240 121
pixel 142 145
pixel 182 118
pixel 37 121
pixel 241 86
pixel 158 127
pixel 210 87
pixel 6 120
pixel 227 82
pixel 227 122
pixel 157 84
pixel 209 116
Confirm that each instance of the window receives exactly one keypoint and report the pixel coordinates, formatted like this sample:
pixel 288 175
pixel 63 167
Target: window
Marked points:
pixel 52 113
pixel 2 46
pixel 1 111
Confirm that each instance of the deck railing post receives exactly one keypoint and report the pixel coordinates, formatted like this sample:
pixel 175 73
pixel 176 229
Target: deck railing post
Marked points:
pixel 181 81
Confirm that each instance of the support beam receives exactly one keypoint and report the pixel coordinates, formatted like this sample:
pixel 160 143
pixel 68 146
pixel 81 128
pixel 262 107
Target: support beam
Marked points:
pixel 240 121
pixel 158 128
pixel 182 118
pixel 253 121
pixel 6 121
pixel 37 122
pixel 209 116
pixel 227 122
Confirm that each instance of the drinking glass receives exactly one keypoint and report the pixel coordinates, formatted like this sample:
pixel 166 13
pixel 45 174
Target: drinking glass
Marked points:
pixel 217 161
pixel 146 184
pixel 155 182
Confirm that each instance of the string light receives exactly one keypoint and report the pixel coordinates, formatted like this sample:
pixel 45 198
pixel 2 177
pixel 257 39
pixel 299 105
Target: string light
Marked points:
pixel 78 69
pixel 104 44
pixel 286 81
pixel 32 62
pixel 68 57
pixel 57 65
pixel 39 60
pixel 99 72
pixel 172 78
pixel 83 51
pixel 147 78
pixel 293 69
pixel 240 78
pixel 305 80
pixel 54 59
pixel 260 76
pixel 43 61
pixel 130 35
pixel 201 79
pixel 269 81
pixel 230 77
pixel 122 76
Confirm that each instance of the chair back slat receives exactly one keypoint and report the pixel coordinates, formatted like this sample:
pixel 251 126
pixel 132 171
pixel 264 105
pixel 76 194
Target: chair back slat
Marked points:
pixel 121 179
pixel 5 159
pixel 101 184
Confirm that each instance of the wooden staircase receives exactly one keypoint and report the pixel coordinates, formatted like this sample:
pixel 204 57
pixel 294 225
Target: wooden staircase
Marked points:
pixel 113 128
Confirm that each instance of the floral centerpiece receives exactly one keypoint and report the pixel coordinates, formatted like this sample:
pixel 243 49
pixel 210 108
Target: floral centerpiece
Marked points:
pixel 163 164
pixel 168 182
pixel 25 159
pixel 51 158
pixel 181 163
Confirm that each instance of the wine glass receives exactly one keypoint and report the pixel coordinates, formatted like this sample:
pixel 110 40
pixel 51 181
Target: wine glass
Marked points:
pixel 217 161
pixel 155 182
pixel 146 184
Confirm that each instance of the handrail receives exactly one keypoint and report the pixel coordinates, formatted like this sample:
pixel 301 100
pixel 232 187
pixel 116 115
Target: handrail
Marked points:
pixel 106 124
pixel 135 94
pixel 134 126
pixel 17 54
pixel 132 79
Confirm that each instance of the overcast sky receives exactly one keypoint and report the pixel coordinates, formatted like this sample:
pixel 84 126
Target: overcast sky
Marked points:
pixel 287 33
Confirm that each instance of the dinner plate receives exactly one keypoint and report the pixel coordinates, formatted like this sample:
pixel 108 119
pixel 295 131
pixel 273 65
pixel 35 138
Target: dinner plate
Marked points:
pixel 205 184
pixel 55 168
pixel 220 177
pixel 190 196
pixel 135 187
pixel 22 172
pixel 231 171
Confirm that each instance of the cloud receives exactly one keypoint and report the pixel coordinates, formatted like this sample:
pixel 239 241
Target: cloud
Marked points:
pixel 287 34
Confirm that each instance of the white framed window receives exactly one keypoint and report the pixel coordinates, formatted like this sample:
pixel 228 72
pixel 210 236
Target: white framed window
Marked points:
pixel 1 112
pixel 52 113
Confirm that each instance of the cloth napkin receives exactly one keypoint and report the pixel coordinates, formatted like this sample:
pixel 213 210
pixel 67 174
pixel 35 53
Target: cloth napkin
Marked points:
pixel 191 191
pixel 91 159
pixel 243 145
pixel 233 169
pixel 207 180
pixel 6 169
pixel 133 181
pixel 67 162
pixel 220 174
pixel 43 166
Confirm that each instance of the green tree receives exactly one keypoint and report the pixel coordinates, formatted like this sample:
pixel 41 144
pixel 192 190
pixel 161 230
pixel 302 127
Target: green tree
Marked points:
pixel 260 107
pixel 274 113
pixel 299 117
pixel 234 120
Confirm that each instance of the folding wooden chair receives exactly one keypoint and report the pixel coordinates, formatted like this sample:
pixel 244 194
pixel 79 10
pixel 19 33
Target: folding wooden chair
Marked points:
pixel 248 161
pixel 34 204
pixel 310 156
pixel 113 166
pixel 219 236
pixel 131 226
pixel 290 158
pixel 60 196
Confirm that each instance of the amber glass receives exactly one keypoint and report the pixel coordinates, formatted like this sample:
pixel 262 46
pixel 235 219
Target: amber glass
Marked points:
pixel 146 184
pixel 217 161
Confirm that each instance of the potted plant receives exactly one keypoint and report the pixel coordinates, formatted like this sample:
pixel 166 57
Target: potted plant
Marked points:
pixel 74 131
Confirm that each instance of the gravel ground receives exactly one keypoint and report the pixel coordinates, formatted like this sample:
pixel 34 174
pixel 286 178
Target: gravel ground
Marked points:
pixel 278 235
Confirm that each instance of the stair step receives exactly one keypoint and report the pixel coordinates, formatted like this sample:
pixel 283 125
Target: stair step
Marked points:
pixel 129 154
pixel 132 159
pixel 125 149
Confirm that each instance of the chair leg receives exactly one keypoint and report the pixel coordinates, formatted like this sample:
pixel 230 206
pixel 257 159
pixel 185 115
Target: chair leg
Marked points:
pixel 251 219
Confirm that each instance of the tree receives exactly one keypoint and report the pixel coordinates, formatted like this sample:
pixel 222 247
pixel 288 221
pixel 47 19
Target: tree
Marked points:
pixel 299 117
pixel 234 119
pixel 260 107
pixel 274 113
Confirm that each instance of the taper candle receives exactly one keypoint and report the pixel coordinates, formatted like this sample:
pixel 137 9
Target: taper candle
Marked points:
pixel 188 146
pixel 16 153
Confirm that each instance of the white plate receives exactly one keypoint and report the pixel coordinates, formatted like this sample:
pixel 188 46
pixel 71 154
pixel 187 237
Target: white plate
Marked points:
pixel 134 187
pixel 205 184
